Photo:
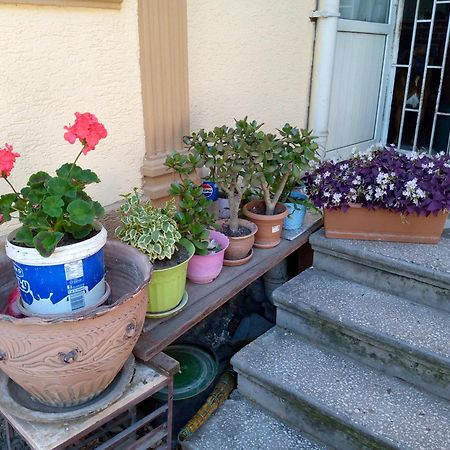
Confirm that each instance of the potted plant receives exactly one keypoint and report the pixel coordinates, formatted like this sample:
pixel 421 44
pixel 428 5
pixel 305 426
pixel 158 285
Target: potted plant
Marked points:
pixel 224 152
pixel 383 195
pixel 154 232
pixel 195 223
pixel 58 251
pixel 276 160
pixel 296 203
pixel 67 355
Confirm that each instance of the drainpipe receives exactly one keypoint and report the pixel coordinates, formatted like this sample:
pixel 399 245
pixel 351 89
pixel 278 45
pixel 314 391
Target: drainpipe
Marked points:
pixel 326 17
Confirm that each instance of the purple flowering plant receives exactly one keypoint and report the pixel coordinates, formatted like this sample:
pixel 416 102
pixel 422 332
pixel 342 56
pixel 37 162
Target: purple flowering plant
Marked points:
pixel 383 178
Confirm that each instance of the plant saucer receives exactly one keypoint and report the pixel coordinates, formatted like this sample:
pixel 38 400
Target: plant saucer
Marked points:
pixel 173 311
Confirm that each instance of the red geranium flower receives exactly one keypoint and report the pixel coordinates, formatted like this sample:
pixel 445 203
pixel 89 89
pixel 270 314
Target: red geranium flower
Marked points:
pixel 7 160
pixel 87 129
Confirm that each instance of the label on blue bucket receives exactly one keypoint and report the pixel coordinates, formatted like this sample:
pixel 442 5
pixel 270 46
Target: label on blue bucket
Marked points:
pixel 75 284
pixel 62 287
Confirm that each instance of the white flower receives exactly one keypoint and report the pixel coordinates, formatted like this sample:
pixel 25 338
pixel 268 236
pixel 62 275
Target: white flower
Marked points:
pixel 326 174
pixel 392 186
pixel 337 198
pixel 379 193
pixel 420 193
pixel 357 180
pixel 326 194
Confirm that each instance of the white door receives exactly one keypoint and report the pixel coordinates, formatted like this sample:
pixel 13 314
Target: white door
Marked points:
pixel 362 56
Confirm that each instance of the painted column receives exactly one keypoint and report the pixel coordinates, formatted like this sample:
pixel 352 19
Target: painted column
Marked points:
pixel 164 79
pixel 326 32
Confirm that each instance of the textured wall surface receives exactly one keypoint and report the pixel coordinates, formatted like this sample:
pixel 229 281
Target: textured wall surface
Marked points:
pixel 249 57
pixel 55 61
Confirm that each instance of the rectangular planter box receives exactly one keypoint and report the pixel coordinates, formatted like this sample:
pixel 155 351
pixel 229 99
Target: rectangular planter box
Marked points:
pixel 383 225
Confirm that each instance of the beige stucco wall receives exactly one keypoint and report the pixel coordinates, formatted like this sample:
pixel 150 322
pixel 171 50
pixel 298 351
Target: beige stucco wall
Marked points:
pixel 249 57
pixel 55 61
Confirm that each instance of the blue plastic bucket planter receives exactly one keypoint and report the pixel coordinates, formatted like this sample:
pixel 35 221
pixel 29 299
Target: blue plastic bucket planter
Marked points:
pixel 294 219
pixel 71 279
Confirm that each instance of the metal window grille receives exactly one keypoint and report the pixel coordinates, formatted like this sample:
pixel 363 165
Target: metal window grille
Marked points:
pixel 425 128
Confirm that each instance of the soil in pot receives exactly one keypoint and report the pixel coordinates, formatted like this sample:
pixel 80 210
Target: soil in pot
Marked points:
pixel 180 255
pixel 240 232
pixel 269 226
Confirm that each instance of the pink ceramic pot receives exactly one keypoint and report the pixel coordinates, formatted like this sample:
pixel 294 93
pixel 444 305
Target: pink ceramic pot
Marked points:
pixel 204 269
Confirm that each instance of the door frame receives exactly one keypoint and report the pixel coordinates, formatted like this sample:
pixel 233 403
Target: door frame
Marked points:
pixel 389 29
pixel 391 71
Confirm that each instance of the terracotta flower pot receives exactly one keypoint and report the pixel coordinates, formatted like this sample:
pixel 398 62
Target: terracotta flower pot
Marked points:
pixel 269 226
pixel 70 360
pixel 383 225
pixel 239 249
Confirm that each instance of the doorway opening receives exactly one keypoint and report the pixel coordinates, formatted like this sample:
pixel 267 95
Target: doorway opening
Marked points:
pixel 419 114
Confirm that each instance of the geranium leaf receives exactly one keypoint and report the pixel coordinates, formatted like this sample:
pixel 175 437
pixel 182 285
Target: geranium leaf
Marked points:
pixel 52 205
pixel 45 242
pixel 81 212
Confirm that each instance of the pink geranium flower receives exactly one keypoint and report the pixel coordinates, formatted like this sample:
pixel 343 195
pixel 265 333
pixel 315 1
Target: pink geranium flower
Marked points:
pixel 87 129
pixel 7 160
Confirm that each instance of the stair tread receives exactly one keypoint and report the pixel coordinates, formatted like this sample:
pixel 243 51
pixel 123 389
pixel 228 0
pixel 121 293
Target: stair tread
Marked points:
pixel 418 260
pixel 371 311
pixel 381 405
pixel 240 424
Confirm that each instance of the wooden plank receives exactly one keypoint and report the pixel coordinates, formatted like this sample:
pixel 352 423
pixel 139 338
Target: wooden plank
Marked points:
pixel 50 436
pixel 205 299
pixel 164 364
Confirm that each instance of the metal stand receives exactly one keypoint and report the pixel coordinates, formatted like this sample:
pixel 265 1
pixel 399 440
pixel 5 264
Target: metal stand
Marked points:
pixel 149 378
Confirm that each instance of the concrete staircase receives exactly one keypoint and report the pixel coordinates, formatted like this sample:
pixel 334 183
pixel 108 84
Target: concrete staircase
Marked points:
pixel 359 359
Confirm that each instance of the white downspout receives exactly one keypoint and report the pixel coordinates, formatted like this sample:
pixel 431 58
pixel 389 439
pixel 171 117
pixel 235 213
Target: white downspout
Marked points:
pixel 327 16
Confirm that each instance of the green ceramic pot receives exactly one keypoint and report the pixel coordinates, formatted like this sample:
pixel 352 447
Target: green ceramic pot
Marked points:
pixel 167 286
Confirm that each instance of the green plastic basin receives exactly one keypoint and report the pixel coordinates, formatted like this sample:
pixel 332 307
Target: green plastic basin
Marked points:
pixel 198 370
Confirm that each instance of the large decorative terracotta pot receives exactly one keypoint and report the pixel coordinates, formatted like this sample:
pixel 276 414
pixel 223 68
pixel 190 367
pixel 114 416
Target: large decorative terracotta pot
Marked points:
pixel 69 360
pixel 269 226
pixel 383 225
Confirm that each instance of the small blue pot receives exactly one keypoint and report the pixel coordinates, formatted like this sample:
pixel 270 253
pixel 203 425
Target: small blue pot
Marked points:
pixel 296 216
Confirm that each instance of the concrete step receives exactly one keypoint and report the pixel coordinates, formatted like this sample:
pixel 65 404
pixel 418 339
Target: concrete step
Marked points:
pixel 336 400
pixel 419 272
pixel 403 338
pixel 240 424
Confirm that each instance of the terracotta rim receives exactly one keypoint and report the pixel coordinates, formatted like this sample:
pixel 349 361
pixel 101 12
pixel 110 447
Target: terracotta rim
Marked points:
pixel 242 222
pixel 264 217
pixel 112 247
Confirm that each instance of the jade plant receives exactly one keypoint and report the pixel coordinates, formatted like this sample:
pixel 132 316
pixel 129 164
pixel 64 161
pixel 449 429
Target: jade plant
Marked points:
pixel 193 217
pixel 52 207
pixel 225 152
pixel 150 229
pixel 279 160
